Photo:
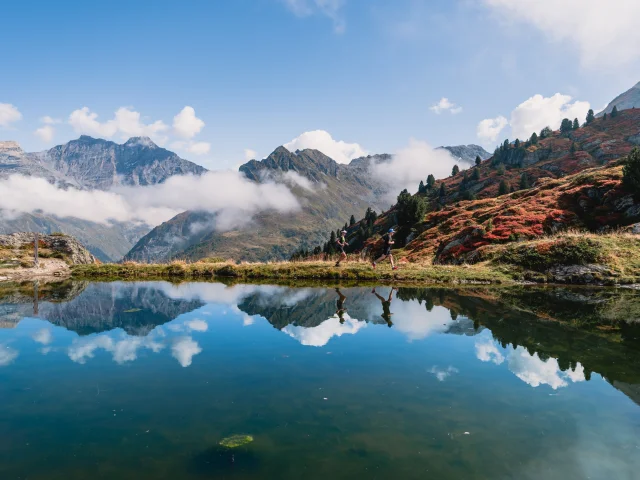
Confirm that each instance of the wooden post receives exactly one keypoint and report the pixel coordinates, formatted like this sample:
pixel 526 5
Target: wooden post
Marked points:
pixel 35 250
pixel 35 298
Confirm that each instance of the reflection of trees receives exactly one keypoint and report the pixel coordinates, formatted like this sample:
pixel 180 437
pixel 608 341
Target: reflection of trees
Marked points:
pixel 596 328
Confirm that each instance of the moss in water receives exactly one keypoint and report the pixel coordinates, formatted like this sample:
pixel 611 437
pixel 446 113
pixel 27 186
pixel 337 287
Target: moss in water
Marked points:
pixel 235 441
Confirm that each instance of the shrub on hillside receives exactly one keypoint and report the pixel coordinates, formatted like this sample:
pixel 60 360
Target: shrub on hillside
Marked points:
pixel 566 251
pixel 631 172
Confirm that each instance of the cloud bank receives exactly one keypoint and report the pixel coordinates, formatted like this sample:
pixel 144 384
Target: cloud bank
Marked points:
pixel 412 164
pixel 604 33
pixel 338 150
pixel 533 115
pixel 228 194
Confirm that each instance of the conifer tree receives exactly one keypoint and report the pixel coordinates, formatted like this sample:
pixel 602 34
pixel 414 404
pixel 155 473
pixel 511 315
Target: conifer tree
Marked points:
pixel 590 116
pixel 478 160
pixel 631 172
pixel 576 124
pixel 604 117
pixel 475 175
pixel 524 181
pixel 443 190
pixel 431 181
pixel 566 126
pixel 455 170
pixel 614 112
pixel 534 138
pixel 503 188
pixel 352 221
pixel 517 143
pixel 421 187
pixel 501 169
pixel 545 132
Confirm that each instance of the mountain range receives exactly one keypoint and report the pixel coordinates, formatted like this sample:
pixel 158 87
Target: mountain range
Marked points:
pixel 329 193
pixel 92 163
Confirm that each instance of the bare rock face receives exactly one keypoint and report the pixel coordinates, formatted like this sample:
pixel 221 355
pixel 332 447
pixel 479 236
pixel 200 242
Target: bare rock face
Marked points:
pixel 624 101
pixel 579 274
pixel 69 248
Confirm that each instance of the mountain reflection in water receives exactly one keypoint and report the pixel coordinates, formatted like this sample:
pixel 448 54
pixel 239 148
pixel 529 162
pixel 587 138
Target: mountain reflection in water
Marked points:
pixel 547 340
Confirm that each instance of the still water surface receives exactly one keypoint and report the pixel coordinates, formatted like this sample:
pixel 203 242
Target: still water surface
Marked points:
pixel 143 380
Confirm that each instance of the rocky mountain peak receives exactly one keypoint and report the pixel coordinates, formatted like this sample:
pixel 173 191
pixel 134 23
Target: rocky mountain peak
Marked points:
pixel 467 153
pixel 624 101
pixel 140 142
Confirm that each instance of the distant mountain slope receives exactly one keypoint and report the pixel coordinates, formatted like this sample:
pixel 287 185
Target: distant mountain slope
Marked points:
pixel 91 163
pixel 337 192
pixel 467 153
pixel 545 192
pixel 624 101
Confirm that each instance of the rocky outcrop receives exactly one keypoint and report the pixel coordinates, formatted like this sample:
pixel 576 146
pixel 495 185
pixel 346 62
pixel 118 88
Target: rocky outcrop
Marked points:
pixel 467 153
pixel 67 247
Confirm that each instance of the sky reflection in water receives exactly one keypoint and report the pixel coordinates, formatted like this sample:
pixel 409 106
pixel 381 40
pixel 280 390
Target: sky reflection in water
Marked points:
pixel 331 382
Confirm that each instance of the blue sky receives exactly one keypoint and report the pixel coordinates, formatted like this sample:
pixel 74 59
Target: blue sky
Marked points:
pixel 259 73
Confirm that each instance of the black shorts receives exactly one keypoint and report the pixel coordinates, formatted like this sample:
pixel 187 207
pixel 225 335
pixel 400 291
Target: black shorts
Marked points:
pixel 387 251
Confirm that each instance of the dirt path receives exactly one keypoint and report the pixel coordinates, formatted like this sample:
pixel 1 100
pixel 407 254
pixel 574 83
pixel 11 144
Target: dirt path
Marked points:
pixel 48 268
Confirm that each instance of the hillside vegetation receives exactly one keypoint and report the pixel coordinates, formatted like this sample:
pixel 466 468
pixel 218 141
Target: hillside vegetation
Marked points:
pixel 554 182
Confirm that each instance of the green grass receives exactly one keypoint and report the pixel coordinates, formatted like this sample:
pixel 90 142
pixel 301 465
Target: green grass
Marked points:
pixel 503 264
pixel 357 271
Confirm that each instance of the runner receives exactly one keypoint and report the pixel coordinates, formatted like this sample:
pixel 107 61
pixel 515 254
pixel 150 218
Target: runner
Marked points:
pixel 342 242
pixel 340 305
pixel 388 241
pixel 386 306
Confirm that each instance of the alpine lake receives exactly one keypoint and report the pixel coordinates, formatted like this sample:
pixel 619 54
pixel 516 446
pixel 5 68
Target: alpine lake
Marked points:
pixel 155 380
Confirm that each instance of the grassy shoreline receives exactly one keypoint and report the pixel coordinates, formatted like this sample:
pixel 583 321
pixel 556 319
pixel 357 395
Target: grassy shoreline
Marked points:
pixel 357 271
pixel 569 258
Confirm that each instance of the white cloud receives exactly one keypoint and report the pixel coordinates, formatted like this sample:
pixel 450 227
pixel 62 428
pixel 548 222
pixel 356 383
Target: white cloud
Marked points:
pixel 186 124
pixel 43 336
pixel 412 164
pixel 534 371
pixel 229 194
pixel 489 128
pixel 328 8
pixel 197 325
pixel 45 133
pixel 487 351
pixel 537 112
pixel 249 154
pixel 411 319
pixel 320 335
pixel 199 148
pixel 8 114
pixel 444 105
pixel 184 349
pixel 604 32
pixel 123 348
pixel 442 374
pixel 47 120
pixel 338 150
pixel 7 355
pixel 126 122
